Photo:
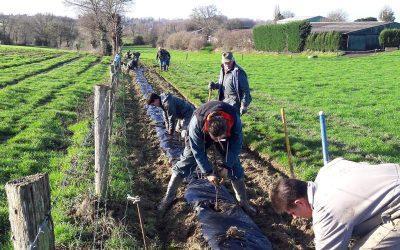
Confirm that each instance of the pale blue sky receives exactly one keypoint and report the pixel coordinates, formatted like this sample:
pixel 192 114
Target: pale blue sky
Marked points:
pixel 255 9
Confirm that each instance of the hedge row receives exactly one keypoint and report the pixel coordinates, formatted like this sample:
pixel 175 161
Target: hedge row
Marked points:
pixel 390 38
pixel 281 37
pixel 325 41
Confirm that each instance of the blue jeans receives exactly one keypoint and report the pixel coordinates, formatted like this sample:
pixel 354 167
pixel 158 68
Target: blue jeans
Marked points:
pixel 187 165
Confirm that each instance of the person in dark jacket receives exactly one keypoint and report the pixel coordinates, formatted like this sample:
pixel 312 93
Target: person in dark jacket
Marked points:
pixel 233 86
pixel 128 55
pixel 164 57
pixel 174 109
pixel 212 123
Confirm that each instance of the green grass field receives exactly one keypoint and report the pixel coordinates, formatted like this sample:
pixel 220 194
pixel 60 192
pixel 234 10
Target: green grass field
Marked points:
pixel 39 123
pixel 360 95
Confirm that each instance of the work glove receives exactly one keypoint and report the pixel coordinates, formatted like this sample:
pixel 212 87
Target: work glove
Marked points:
pixel 184 133
pixel 212 85
pixel 223 173
pixel 213 179
pixel 243 110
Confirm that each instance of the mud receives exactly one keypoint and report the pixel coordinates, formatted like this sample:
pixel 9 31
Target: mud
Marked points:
pixel 179 225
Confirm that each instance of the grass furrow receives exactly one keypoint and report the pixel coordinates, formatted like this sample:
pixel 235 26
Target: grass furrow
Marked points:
pixel 43 89
pixel 13 75
pixel 47 125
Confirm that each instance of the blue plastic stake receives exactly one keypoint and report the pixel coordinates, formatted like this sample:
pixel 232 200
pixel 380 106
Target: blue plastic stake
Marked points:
pixel 324 138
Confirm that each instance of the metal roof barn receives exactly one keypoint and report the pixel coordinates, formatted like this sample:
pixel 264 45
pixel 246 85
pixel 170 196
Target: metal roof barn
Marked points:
pixel 357 36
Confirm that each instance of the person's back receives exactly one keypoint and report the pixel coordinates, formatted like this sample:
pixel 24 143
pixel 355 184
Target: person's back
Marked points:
pixel 177 109
pixel 350 198
pixel 163 54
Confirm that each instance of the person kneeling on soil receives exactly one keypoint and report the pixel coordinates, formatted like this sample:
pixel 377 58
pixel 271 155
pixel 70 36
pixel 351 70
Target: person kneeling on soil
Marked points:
pixel 233 86
pixel 132 64
pixel 347 199
pixel 174 109
pixel 215 123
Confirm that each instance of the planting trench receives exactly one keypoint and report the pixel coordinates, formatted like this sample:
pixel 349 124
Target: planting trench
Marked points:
pixel 179 227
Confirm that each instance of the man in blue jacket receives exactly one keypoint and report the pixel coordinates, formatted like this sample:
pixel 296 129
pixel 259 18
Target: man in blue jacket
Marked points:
pixel 233 86
pixel 216 123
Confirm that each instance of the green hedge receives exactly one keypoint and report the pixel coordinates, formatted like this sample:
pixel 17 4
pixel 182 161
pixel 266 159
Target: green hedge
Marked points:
pixel 281 37
pixel 390 38
pixel 325 41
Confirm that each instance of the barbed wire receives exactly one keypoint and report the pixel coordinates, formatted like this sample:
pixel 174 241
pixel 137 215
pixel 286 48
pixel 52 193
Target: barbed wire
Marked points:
pixel 41 228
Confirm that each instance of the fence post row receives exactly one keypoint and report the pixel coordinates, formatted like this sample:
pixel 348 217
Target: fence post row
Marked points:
pixel 29 208
pixel 103 112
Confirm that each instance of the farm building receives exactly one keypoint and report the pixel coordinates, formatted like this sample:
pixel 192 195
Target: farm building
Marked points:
pixel 303 18
pixel 357 36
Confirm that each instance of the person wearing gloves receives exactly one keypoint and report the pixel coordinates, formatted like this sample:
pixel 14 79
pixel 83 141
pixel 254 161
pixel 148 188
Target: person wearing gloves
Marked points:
pixel 346 200
pixel 215 123
pixel 233 86
pixel 174 109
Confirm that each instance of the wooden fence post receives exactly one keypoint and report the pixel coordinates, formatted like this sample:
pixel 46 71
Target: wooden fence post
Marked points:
pixel 29 209
pixel 114 85
pixel 101 133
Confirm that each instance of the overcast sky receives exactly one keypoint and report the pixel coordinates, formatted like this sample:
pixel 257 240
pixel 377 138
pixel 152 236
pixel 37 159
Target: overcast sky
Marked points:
pixel 255 9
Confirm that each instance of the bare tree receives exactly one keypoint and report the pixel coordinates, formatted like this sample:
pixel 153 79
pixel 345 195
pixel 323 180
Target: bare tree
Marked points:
pixel 277 14
pixel 338 15
pixel 387 14
pixel 207 18
pixel 106 14
pixel 287 14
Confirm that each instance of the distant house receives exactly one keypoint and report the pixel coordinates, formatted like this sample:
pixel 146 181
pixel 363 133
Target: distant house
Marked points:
pixel 303 18
pixel 357 36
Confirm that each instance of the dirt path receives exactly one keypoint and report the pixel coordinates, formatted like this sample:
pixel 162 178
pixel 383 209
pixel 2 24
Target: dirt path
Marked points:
pixel 282 231
pixel 178 227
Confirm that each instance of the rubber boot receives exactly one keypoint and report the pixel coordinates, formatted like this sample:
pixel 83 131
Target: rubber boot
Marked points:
pixel 241 197
pixel 169 197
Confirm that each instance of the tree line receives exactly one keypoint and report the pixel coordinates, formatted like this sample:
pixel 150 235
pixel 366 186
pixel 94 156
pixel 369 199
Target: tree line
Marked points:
pixel 39 30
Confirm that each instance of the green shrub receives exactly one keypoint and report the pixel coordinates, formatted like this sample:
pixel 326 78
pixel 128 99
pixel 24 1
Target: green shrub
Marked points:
pixel 138 40
pixel 325 41
pixel 281 37
pixel 389 38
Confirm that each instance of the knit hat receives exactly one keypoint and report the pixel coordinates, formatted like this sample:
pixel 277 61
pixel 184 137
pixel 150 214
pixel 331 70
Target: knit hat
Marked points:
pixel 227 57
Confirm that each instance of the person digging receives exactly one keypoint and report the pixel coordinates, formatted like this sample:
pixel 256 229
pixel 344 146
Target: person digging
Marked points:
pixel 347 199
pixel 214 123
pixel 174 109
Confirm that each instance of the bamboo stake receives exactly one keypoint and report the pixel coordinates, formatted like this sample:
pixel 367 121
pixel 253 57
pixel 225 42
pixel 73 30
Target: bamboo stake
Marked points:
pixel 288 151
